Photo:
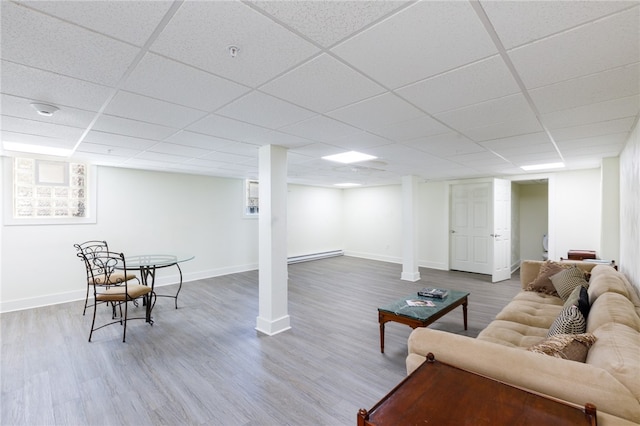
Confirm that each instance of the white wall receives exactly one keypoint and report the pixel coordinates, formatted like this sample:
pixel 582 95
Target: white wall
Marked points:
pixel 433 227
pixel 574 212
pixel 515 226
pixel 314 221
pixel 533 205
pixel 373 222
pixel 153 212
pixel 630 208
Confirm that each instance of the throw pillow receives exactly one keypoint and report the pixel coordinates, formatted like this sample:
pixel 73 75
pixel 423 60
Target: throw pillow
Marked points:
pixel 566 281
pixel 542 283
pixel 583 302
pixel 573 347
pixel 569 321
pixel 579 298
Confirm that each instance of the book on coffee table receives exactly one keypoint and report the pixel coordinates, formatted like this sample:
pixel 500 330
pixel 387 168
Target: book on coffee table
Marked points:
pixel 420 302
pixel 435 293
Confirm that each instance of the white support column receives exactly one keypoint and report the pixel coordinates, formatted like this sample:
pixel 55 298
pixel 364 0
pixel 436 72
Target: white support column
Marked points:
pixel 273 316
pixel 410 270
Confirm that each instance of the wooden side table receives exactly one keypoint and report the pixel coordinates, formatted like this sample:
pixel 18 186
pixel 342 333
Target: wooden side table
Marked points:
pixel 438 394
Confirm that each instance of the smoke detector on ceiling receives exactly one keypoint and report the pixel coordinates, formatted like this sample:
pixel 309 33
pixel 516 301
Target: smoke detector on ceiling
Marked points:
pixel 233 51
pixel 44 109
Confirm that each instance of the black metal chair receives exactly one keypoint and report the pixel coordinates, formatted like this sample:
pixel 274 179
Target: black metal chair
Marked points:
pixel 108 271
pixel 86 251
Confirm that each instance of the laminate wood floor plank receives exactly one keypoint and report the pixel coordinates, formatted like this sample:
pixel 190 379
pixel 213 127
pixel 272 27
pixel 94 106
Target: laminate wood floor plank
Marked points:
pixel 205 364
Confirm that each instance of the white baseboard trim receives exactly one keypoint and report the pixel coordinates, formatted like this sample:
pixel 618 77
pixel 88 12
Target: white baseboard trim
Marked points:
pixel 273 327
pixel 75 295
pixel 372 256
pixel 315 256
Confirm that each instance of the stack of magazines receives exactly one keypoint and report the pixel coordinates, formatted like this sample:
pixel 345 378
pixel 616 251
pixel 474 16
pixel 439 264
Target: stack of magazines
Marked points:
pixel 435 293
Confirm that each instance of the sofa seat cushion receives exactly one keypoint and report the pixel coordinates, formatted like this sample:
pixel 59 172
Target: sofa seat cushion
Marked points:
pixel 612 308
pixel 533 309
pixel 616 350
pixel 512 334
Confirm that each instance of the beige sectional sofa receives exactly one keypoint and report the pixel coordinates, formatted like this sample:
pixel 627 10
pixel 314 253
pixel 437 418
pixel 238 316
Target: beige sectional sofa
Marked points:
pixel 610 376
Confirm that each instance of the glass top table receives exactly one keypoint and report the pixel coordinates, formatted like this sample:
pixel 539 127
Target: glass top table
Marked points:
pixel 149 263
pixel 421 316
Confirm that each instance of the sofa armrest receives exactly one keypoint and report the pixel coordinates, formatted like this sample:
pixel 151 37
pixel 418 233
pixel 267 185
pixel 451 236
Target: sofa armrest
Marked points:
pixel 569 381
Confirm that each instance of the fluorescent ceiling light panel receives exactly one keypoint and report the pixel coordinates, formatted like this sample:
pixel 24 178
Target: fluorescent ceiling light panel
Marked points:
pixel 349 157
pixel 36 149
pixel 542 166
pixel 346 185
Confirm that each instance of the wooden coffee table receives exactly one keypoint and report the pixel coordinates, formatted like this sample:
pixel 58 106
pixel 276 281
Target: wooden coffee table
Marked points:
pixel 420 316
pixel 440 394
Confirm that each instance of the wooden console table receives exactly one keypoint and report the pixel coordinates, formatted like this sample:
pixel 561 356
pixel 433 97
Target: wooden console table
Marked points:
pixel 440 394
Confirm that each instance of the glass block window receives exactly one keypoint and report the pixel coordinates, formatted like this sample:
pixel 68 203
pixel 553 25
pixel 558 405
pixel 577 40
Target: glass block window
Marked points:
pixel 252 199
pixel 49 189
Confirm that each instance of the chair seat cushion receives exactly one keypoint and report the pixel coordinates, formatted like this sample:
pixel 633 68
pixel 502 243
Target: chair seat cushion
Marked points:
pixel 117 294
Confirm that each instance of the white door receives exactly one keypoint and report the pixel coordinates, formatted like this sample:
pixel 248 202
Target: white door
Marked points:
pixel 480 234
pixel 501 234
pixel 471 227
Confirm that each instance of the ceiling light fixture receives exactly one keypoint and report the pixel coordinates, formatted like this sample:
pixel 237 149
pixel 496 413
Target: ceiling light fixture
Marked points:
pixel 349 157
pixel 44 109
pixel 346 185
pixel 36 149
pixel 542 166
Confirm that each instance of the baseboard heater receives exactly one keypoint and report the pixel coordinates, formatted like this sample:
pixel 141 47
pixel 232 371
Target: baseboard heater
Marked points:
pixel 315 256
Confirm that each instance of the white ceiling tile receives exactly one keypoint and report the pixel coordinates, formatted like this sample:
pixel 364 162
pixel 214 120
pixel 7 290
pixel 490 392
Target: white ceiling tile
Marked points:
pixel 377 113
pixel 520 22
pixel 598 46
pixel 468 85
pixel 223 127
pixel 611 145
pixel 226 157
pixel 418 127
pixel 360 140
pixel 265 110
pixel 180 150
pixel 418 42
pixel 599 87
pixel 200 32
pixel 445 145
pixel 174 82
pixel 508 108
pixel 42 128
pixel 38 140
pixel 73 51
pixel 118 19
pixel 320 128
pixel 623 125
pixel 528 124
pixel 124 126
pixel 484 158
pixel 20 107
pixel 601 111
pixel 322 84
pixel 283 139
pixel 115 153
pixel 246 149
pixel 126 104
pixel 48 87
pixel 121 141
pixel 522 144
pixel 327 22
pixel 160 157
pixel 197 140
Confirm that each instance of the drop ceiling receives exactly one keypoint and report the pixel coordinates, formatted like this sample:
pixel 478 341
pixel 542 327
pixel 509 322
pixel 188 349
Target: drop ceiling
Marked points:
pixel 439 90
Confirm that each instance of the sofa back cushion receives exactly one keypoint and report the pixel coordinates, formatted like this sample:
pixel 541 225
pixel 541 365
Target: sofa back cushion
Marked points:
pixel 606 279
pixel 612 307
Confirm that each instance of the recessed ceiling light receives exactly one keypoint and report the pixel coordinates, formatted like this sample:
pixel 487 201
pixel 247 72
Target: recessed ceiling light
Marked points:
pixel 349 157
pixel 44 109
pixel 542 166
pixel 346 185
pixel 36 149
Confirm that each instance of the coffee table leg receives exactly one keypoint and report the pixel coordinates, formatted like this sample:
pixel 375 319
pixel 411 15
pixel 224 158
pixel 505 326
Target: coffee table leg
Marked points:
pixel 464 313
pixel 381 320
